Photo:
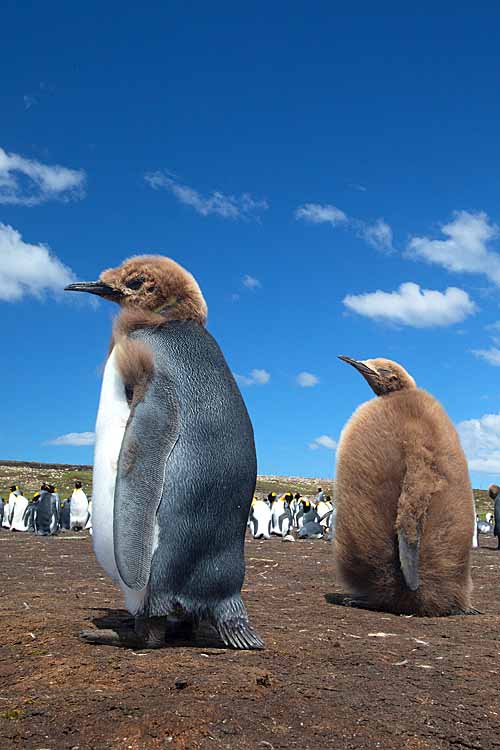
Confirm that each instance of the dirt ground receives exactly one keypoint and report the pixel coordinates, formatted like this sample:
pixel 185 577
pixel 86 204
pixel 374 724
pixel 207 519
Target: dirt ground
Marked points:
pixel 330 676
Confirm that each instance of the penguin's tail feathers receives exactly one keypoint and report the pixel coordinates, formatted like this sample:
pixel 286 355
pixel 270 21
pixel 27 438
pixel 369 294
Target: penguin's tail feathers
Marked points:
pixel 232 624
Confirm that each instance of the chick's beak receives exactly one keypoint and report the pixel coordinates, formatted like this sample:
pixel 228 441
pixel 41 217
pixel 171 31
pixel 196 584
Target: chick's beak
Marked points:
pixel 95 287
pixel 360 366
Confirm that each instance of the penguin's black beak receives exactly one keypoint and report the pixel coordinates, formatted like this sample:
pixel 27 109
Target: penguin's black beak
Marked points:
pixel 95 287
pixel 360 366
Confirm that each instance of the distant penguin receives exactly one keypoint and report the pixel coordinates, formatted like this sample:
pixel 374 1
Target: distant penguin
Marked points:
pixel 281 517
pixel 45 517
pixel 79 508
pixel 260 519
pixel 13 493
pixel 54 498
pixel 294 507
pixel 29 516
pixel 65 514
pixel 88 525
pixel 475 538
pixel 483 527
pixel 324 510
pixel 494 493
pixel 320 495
pixel 5 514
pixel 332 521
pixel 175 465
pixel 311 530
pixel 305 507
pixel 402 472
pixel 19 520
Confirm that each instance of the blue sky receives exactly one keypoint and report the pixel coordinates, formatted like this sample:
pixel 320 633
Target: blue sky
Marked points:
pixel 331 178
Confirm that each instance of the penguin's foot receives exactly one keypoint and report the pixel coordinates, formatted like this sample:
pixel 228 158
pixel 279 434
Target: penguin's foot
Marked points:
pixel 146 635
pixel 101 637
pixel 238 633
pixel 180 629
pixel 469 611
pixel 150 631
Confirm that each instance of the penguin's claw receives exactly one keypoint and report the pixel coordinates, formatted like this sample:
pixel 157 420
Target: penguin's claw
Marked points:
pixel 102 637
pixel 238 633
pixel 127 639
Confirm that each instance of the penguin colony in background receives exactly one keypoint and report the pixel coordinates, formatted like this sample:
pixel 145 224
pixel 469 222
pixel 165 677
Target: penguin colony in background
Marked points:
pixel 283 515
pixel 45 514
pixel 175 465
pixel 402 472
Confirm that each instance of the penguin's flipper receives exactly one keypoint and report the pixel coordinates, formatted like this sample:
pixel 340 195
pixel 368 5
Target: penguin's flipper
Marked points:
pixel 151 433
pixel 421 482
pixel 408 560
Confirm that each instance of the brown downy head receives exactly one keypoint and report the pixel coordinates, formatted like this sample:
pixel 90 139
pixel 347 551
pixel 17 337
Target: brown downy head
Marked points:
pixel 382 375
pixel 150 286
pixel 493 491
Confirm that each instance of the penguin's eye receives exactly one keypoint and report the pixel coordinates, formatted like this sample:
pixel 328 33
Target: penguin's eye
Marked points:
pixel 135 283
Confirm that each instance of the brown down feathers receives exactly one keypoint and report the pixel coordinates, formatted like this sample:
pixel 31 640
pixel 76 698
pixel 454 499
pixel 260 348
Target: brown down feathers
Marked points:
pixel 167 292
pixel 400 465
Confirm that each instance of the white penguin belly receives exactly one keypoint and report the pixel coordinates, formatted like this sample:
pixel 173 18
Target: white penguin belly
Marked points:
pixel 79 508
pixel 20 506
pixel 112 419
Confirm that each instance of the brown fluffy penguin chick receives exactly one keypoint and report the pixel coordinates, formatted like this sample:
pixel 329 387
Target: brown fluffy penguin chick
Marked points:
pixel 402 475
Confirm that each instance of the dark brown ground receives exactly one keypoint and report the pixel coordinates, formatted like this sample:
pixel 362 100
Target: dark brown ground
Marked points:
pixel 330 676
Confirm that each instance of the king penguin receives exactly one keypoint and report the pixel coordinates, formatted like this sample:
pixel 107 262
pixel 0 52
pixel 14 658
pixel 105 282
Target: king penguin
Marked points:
pixel 402 472
pixel 260 519
pixel 20 520
pixel 175 464
pixel 494 493
pixel 79 508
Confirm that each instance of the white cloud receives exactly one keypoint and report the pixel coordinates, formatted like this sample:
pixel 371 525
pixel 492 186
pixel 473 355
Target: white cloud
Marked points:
pixel 481 443
pixel 256 377
pixel 323 441
pixel 28 182
pixel 466 247
pixel 378 234
pixel 318 214
pixel 251 282
pixel 28 269
pixel 307 379
pixel 74 438
pixel 412 306
pixel 228 206
pixel 491 355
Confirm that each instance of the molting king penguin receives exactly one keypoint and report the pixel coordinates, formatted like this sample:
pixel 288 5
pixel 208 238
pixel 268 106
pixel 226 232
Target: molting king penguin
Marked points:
pixel 402 473
pixel 175 464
